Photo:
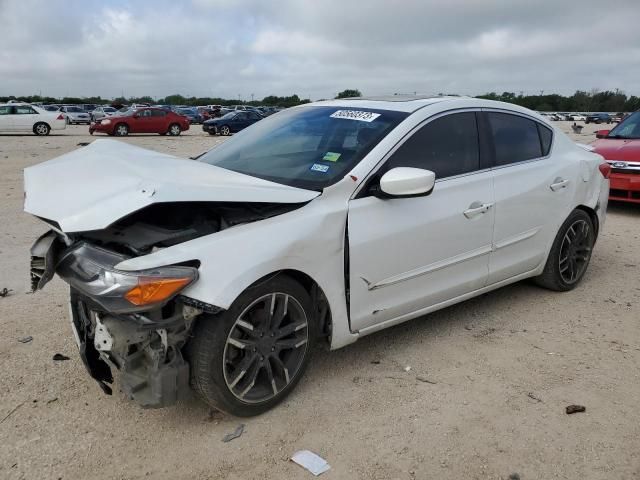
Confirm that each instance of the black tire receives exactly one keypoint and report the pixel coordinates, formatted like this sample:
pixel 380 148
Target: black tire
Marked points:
pixel 174 130
pixel 209 351
pixel 569 253
pixel 41 129
pixel 225 130
pixel 121 130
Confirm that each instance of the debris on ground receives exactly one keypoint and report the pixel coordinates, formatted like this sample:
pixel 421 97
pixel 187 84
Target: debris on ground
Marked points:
pixel 533 397
pixel 58 357
pixel 575 409
pixel 235 434
pixel 407 368
pixel 312 462
pixel 514 476
pixel 54 399
pixel 375 362
pixel 26 339
pixel 425 380
pixel 11 412
pixel 83 144
pixel 5 292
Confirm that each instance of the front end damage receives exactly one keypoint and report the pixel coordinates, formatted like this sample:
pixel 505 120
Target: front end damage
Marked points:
pixel 137 323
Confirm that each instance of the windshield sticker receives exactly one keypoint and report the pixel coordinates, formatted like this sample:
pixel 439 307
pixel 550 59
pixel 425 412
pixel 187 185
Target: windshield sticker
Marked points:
pixel 355 115
pixel 331 157
pixel 316 167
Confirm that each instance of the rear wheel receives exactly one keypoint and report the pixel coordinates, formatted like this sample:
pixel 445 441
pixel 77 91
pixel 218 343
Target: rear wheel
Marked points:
pixel 41 129
pixel 225 130
pixel 174 129
pixel 249 358
pixel 570 254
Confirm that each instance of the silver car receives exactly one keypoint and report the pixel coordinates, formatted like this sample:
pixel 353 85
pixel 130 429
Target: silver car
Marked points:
pixel 102 112
pixel 75 114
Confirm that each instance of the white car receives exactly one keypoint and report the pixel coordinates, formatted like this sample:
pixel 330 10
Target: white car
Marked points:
pixel 75 115
pixel 322 223
pixel 23 117
pixel 576 117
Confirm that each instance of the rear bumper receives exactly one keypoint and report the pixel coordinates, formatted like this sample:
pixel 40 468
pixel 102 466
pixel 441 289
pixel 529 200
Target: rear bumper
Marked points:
pixel 625 187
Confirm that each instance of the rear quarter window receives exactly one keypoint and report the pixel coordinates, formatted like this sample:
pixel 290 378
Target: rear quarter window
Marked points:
pixel 546 137
pixel 515 138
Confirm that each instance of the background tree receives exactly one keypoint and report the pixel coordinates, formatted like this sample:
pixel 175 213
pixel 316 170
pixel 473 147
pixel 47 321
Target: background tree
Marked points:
pixel 349 93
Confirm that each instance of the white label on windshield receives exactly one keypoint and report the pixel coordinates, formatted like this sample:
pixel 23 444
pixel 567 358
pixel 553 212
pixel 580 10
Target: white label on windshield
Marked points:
pixel 355 115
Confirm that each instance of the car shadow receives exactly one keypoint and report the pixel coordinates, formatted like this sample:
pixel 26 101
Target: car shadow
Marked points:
pixel 624 208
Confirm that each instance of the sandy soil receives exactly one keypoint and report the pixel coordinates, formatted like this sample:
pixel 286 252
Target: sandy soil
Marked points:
pixel 504 367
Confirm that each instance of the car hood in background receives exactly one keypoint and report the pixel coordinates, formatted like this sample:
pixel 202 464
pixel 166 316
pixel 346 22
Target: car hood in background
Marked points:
pixel 618 149
pixel 92 187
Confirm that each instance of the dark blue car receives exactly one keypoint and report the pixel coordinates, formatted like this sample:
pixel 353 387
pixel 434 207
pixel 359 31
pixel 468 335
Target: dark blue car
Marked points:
pixel 231 122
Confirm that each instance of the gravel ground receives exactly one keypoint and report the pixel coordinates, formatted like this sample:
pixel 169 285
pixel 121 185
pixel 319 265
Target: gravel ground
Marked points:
pixel 504 366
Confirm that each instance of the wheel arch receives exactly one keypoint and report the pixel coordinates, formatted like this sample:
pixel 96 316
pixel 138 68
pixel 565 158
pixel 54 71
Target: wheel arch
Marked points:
pixel 33 129
pixel 593 215
pixel 318 298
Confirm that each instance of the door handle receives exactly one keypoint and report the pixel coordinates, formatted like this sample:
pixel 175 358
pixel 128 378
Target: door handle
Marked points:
pixel 558 183
pixel 477 208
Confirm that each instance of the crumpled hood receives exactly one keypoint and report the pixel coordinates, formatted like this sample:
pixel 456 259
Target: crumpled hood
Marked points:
pixel 618 149
pixel 92 187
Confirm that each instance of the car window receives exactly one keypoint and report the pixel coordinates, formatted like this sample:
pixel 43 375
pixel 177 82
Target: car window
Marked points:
pixel 254 116
pixel 5 110
pixel 515 138
pixel 447 146
pixel 158 113
pixel 629 128
pixel 24 110
pixel 546 136
pixel 307 147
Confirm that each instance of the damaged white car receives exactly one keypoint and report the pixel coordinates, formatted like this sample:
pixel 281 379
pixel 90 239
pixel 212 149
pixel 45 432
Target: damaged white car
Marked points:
pixel 322 223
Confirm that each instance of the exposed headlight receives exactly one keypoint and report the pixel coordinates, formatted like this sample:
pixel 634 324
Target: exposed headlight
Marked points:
pixel 91 271
pixel 106 121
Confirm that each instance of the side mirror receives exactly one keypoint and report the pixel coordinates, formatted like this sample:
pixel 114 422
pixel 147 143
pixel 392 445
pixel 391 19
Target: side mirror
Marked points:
pixel 407 182
pixel 602 133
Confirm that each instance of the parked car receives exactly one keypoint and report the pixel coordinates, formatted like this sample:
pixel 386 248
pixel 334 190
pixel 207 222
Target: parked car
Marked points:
pixel 621 148
pixel 598 118
pixel 22 117
pixel 230 123
pixel 102 112
pixel 192 114
pixel 50 108
pixel 576 117
pixel 142 120
pixel 324 223
pixel 75 115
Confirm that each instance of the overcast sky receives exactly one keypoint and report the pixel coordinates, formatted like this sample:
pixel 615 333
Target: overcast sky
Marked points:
pixel 316 48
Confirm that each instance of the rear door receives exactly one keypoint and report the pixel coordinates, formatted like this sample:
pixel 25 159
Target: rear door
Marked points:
pixel 25 117
pixel 533 192
pixel 408 254
pixel 6 118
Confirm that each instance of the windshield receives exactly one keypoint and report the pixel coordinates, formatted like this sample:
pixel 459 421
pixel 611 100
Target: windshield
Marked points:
pixel 307 147
pixel 628 128
pixel 74 109
pixel 126 112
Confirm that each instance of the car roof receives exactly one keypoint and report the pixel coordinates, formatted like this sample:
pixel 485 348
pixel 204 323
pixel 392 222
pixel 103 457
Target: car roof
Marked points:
pixel 399 103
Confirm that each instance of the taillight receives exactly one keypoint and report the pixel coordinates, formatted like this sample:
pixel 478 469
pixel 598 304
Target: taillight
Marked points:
pixel 60 117
pixel 605 169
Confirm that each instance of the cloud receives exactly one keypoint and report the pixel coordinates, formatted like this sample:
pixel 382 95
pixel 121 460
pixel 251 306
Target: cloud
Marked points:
pixel 222 48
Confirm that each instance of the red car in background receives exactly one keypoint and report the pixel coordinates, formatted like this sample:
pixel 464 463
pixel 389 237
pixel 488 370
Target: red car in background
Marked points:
pixel 141 120
pixel 621 149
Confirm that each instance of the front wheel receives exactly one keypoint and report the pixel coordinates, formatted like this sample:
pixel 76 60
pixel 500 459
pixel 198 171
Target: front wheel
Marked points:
pixel 121 130
pixel 174 130
pixel 249 358
pixel 570 254
pixel 225 130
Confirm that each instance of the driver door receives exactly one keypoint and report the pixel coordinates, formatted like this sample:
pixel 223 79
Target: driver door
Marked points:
pixel 409 254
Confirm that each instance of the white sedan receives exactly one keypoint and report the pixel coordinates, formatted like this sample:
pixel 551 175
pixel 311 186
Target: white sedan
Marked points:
pixel 322 223
pixel 23 117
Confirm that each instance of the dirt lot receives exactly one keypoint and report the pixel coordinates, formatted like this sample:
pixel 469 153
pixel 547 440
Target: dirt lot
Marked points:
pixel 504 368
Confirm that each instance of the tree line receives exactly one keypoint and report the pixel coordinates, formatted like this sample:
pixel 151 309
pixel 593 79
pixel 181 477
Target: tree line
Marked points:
pixel 580 101
pixel 176 99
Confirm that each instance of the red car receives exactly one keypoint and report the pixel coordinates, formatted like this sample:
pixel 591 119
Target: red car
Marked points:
pixel 141 120
pixel 621 149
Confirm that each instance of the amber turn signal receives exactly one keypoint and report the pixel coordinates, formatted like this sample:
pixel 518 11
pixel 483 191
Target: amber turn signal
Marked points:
pixel 152 290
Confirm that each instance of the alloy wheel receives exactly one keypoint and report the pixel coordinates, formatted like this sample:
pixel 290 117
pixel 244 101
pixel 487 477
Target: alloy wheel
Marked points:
pixel 174 130
pixel 575 251
pixel 224 130
pixel 265 348
pixel 122 130
pixel 42 129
